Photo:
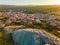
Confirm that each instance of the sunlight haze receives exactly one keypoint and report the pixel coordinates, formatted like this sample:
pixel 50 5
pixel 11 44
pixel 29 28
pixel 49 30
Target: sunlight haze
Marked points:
pixel 29 2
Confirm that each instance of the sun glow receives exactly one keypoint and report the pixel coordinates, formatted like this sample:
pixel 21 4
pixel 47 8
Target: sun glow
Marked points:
pixel 57 2
pixel 30 2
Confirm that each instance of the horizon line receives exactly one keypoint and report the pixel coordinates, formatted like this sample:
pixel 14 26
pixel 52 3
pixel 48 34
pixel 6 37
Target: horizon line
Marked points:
pixel 29 5
pixel 33 5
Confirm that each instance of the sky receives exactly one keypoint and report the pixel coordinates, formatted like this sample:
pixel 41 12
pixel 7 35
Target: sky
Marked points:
pixel 29 2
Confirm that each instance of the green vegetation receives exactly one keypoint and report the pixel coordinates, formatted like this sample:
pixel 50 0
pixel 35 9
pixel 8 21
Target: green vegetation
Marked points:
pixel 56 33
pixel 29 10
pixel 4 19
pixel 4 41
pixel 8 41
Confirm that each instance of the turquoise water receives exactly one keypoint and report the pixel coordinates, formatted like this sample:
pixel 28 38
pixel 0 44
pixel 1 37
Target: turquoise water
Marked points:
pixel 23 37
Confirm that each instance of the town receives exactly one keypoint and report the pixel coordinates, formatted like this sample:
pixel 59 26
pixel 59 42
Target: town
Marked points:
pixel 47 23
pixel 12 17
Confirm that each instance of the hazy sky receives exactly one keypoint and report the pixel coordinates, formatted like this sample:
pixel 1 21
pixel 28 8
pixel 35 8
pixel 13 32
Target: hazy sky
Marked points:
pixel 29 2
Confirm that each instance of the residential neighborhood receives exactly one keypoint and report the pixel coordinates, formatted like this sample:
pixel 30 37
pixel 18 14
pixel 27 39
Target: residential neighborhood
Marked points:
pixel 47 24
